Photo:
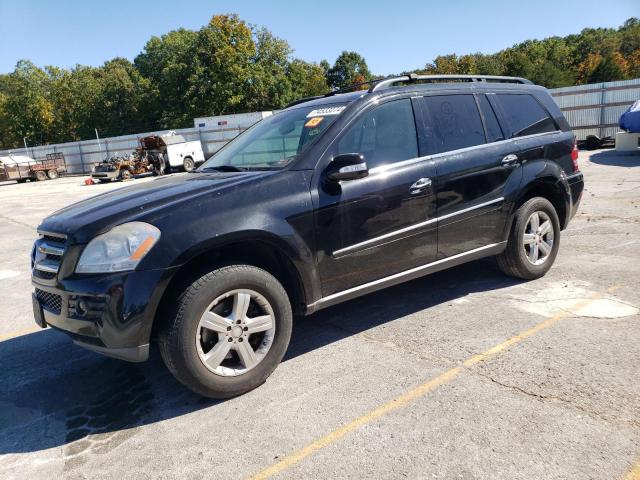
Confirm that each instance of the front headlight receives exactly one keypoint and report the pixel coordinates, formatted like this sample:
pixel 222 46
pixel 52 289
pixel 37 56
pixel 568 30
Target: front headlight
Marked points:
pixel 118 250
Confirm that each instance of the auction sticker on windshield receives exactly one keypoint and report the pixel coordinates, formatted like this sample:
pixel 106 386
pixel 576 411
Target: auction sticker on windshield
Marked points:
pixel 323 112
pixel 314 122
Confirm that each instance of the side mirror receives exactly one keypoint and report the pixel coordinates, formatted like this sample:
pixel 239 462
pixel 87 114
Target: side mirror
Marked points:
pixel 348 166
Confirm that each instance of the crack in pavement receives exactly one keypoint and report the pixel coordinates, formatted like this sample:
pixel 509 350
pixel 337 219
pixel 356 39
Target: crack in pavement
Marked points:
pixel 562 401
pixel 18 222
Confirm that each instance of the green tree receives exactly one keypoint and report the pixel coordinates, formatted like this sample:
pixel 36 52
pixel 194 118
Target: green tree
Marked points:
pixel 307 79
pixel 128 100
pixel 607 70
pixel 349 68
pixel 26 110
pixel 169 63
pixel 269 86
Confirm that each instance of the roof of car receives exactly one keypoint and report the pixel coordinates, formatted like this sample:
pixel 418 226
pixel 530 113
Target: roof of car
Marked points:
pixel 446 84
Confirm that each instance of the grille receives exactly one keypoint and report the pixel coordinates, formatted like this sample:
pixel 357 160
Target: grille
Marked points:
pixel 48 253
pixel 54 238
pixel 49 301
pixel 44 275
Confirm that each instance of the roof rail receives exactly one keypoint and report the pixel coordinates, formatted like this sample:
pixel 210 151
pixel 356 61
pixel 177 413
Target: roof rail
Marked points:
pixel 303 100
pixel 346 89
pixel 413 77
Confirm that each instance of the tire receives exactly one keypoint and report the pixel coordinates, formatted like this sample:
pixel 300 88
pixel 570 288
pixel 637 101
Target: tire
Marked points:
pixel 21 180
pixel 185 343
pixel 534 259
pixel 125 175
pixel 188 164
pixel 41 175
pixel 53 174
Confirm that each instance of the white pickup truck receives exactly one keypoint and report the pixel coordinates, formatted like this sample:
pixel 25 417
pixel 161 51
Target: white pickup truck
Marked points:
pixel 173 151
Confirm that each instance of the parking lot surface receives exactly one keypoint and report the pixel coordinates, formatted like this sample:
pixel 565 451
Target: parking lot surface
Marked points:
pixel 462 374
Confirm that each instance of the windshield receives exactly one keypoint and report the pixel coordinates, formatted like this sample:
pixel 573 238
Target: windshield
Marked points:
pixel 274 142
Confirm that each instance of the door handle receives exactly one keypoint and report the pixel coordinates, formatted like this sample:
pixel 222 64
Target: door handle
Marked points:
pixel 510 159
pixel 420 185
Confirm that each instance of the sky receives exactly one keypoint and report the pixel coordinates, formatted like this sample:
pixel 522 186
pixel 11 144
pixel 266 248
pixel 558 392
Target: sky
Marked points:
pixel 392 36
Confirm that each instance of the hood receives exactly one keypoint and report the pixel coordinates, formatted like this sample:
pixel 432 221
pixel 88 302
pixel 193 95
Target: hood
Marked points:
pixel 146 201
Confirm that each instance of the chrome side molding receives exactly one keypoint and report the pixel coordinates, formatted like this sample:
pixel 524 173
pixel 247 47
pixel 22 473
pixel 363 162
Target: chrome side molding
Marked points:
pixel 358 246
pixel 416 272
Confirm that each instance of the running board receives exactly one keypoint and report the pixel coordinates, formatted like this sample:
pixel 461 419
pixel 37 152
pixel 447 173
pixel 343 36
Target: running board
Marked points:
pixel 416 272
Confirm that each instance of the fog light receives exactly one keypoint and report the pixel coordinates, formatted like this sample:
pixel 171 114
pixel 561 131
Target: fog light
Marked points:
pixel 81 308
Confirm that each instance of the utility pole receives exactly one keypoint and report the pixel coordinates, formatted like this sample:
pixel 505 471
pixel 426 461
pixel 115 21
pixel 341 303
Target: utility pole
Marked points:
pixel 26 149
pixel 99 146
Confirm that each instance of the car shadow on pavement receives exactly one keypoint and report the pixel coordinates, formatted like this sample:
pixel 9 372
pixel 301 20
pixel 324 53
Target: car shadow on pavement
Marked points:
pixel 616 159
pixel 53 393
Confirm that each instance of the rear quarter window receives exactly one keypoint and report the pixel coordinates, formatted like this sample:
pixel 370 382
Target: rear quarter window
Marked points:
pixel 524 115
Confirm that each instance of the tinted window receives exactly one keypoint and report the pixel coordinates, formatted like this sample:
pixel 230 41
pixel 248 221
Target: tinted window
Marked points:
pixel 490 121
pixel 455 121
pixel 385 134
pixel 524 115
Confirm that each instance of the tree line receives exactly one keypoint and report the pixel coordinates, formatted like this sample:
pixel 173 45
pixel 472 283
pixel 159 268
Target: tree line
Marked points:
pixel 230 66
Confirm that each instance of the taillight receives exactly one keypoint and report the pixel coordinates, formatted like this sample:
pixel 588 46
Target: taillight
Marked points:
pixel 574 155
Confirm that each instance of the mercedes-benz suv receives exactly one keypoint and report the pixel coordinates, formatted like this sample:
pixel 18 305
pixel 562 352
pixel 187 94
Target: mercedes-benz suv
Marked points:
pixel 333 197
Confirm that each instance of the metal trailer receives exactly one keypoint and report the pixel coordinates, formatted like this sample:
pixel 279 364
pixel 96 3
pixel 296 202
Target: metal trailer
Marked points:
pixel 22 168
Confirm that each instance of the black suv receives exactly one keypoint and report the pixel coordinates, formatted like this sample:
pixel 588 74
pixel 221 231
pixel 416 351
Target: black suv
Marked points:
pixel 331 198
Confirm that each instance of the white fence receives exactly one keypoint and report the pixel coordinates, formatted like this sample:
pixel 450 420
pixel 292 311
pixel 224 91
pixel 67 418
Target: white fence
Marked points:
pixel 595 109
pixel 81 156
pixel 592 109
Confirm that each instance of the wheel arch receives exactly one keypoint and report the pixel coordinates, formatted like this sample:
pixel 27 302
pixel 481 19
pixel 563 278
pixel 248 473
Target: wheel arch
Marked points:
pixel 258 249
pixel 549 187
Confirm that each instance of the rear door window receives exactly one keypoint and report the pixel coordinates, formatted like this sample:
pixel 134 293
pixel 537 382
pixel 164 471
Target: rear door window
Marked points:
pixel 454 120
pixel 385 134
pixel 524 115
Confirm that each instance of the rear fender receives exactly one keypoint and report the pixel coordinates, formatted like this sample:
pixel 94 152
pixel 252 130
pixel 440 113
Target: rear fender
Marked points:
pixel 546 179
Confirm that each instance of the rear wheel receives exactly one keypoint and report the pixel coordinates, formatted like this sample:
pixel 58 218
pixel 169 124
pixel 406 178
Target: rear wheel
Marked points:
pixel 188 164
pixel 533 242
pixel 230 331
pixel 125 174
pixel 53 174
pixel 41 175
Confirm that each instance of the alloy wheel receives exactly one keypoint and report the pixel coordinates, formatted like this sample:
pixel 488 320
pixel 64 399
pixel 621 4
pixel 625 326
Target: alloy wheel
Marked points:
pixel 538 238
pixel 235 332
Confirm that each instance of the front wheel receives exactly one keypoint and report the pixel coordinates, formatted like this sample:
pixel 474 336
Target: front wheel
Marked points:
pixel 229 333
pixel 533 242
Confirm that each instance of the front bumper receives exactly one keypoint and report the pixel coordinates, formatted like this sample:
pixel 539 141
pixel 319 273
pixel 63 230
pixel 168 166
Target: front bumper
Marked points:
pixel 108 313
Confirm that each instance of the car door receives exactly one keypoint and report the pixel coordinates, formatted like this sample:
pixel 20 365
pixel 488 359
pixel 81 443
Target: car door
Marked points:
pixel 474 166
pixel 384 223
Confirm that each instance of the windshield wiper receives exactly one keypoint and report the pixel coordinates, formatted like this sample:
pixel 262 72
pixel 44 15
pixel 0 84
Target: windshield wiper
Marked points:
pixel 224 168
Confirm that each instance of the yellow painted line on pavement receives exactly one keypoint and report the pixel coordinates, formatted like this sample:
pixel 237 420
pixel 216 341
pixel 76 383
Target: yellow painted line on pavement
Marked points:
pixel 634 473
pixel 19 333
pixel 418 392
